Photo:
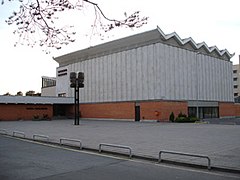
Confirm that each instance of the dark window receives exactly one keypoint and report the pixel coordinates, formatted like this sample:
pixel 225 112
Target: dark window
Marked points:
pixel 62 95
pixel 192 111
pixel 235 86
pixel 235 79
pixel 204 112
pixel 62 72
pixel 235 94
pixel 235 71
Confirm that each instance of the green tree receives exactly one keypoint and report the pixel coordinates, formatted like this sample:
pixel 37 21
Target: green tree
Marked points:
pixel 19 93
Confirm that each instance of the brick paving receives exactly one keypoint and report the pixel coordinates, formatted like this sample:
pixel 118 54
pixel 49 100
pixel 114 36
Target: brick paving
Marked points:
pixel 220 142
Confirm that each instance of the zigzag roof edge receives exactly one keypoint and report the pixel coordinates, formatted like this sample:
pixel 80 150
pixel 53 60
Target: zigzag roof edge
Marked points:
pixel 197 46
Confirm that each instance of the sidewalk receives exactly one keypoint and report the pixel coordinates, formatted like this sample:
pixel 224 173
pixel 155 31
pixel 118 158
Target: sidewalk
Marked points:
pixel 220 142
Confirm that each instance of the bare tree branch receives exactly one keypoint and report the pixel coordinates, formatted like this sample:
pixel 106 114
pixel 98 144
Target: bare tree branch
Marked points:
pixel 37 18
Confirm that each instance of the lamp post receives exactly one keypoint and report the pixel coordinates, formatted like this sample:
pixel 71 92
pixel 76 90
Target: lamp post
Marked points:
pixel 76 82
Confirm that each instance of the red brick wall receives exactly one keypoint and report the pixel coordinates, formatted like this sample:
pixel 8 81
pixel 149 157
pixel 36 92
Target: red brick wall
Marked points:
pixel 226 109
pixel 127 110
pixel 164 109
pixel 124 110
pixel 9 112
pixel 229 109
pixel 237 110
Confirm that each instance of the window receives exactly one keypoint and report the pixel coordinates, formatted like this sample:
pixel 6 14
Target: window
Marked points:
pixel 204 112
pixel 235 86
pixel 235 79
pixel 234 71
pixel 62 72
pixel 47 82
pixel 62 95
pixel 235 94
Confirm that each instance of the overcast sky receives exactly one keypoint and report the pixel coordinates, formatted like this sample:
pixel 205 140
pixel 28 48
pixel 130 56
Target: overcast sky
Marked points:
pixel 217 22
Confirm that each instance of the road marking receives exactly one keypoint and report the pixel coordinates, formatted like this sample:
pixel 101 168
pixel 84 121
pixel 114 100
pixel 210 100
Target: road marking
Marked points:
pixel 221 174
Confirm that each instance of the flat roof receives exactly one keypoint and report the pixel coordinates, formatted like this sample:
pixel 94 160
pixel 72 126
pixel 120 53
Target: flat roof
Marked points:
pixel 35 100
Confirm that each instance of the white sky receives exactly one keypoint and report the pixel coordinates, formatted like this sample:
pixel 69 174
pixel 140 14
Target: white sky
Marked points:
pixel 217 22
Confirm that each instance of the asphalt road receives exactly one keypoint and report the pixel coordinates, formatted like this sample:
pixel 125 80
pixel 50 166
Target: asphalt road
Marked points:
pixel 22 159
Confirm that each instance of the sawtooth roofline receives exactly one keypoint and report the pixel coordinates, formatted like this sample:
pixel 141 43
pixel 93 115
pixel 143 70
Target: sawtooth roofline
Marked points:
pixel 138 40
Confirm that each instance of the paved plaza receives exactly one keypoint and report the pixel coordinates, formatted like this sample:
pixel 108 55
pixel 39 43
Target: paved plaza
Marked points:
pixel 218 141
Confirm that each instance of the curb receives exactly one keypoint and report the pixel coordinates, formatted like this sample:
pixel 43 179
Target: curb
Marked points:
pixel 134 156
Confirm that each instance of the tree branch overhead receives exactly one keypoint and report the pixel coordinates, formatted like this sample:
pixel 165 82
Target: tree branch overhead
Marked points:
pixel 35 21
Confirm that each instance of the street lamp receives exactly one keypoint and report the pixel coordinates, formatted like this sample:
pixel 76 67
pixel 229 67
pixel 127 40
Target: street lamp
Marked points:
pixel 76 82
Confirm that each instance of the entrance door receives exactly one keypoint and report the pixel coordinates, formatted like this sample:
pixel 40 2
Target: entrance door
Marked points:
pixel 137 113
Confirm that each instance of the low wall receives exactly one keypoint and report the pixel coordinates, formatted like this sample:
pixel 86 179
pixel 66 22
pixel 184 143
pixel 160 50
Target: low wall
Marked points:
pixel 11 112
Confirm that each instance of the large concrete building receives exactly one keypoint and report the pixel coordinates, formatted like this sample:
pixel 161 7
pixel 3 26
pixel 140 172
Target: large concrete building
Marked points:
pixel 150 75
pixel 236 81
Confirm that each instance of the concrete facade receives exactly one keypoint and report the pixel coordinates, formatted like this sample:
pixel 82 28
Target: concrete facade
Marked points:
pixel 152 69
pixel 155 71
pixel 236 79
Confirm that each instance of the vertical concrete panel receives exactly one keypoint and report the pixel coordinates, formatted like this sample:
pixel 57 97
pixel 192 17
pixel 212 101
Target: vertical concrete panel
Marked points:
pixel 123 75
pixel 218 74
pixel 101 79
pixel 223 84
pixel 139 74
pixel 119 77
pixel 209 81
pixel 128 75
pixel 205 78
pixel 86 80
pixel 157 59
pixel 195 75
pixel 184 74
pixel 201 77
pixel 190 76
pixel 97 79
pixel 171 71
pixel 134 74
pixel 92 79
pixel 211 78
pixel 150 72
pixel 163 79
pixel 177 74
pixel 145 73
pixel 109 78
pixel 199 69
pixel 82 91
pixel 157 56
pixel 226 82
pixel 114 76
pixel 205 83
pixel 215 79
pixel 105 78
pixel 168 73
pixel 188 70
pixel 222 80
